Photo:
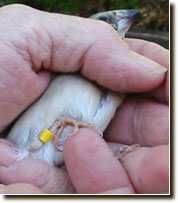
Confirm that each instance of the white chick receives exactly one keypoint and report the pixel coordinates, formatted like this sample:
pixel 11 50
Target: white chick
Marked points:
pixel 68 96
pixel 69 102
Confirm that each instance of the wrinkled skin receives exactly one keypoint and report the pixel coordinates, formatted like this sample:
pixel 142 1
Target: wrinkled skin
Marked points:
pixel 32 43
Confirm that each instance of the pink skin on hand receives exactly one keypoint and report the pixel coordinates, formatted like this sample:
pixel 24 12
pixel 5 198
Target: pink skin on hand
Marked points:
pixel 30 49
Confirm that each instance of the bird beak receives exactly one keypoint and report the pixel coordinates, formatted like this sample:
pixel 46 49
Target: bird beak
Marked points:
pixel 120 20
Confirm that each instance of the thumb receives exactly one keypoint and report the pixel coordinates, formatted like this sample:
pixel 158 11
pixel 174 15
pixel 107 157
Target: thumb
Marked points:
pixel 91 165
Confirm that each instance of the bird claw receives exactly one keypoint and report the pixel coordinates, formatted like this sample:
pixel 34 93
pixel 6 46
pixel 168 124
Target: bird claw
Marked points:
pixel 61 123
pixel 125 149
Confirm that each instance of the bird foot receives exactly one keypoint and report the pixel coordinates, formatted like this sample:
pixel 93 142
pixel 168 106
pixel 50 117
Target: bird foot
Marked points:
pixel 61 123
pixel 57 129
pixel 125 149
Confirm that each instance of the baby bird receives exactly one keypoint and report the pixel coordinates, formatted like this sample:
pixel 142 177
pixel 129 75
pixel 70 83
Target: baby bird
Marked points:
pixel 70 102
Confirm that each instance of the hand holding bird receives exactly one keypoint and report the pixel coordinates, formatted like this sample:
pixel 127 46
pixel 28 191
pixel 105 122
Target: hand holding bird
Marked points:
pixel 69 44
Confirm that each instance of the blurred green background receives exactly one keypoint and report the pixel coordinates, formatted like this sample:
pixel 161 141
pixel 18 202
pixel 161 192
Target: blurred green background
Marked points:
pixel 155 13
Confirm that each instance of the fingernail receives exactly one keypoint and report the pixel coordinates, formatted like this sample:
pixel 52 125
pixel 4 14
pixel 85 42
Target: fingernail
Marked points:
pixel 8 155
pixel 148 64
pixel 160 70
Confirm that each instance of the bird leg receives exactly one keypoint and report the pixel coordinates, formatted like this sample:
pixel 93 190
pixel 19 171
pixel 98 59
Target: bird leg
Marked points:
pixel 57 129
pixel 125 149
pixel 61 123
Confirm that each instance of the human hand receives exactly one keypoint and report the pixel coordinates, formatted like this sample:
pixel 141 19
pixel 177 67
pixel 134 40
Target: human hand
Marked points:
pixel 66 44
pixel 20 188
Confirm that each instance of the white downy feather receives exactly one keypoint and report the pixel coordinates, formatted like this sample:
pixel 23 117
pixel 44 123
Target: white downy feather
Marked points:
pixel 67 96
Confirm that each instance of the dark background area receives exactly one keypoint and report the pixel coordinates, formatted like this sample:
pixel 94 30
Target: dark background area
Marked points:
pixel 152 25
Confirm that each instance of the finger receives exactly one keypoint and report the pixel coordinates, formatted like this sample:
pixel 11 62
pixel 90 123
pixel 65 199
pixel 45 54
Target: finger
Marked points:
pixel 140 121
pixel 148 169
pixel 91 165
pixel 156 53
pixel 31 171
pixel 150 50
pixel 63 44
pixel 71 43
pixel 16 74
pixel 26 89
pixel 20 188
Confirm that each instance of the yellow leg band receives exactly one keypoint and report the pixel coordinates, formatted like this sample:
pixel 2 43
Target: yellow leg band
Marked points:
pixel 46 135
